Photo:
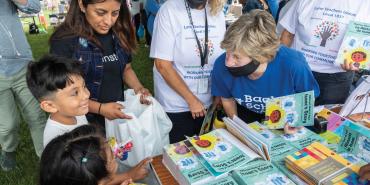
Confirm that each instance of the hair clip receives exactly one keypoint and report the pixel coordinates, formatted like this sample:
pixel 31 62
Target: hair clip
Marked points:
pixel 84 159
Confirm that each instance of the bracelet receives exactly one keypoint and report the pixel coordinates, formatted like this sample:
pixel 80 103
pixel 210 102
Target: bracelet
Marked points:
pixel 99 108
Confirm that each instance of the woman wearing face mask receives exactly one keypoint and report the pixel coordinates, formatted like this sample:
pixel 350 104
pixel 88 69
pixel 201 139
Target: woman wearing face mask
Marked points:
pixel 185 44
pixel 256 68
pixel 100 35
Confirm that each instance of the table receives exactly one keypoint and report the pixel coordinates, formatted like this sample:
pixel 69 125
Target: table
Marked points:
pixel 163 175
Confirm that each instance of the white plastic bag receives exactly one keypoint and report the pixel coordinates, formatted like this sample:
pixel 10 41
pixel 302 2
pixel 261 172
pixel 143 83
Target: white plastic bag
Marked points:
pixel 148 129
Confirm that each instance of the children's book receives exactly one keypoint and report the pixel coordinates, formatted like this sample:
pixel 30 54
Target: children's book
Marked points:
pixel 356 140
pixel 302 138
pixel 358 103
pixel 207 121
pixel 254 135
pixel 295 110
pixel 355 47
pixel 222 151
pixel 260 173
pixel 316 164
pixel 334 127
pixel 228 180
pixel 184 166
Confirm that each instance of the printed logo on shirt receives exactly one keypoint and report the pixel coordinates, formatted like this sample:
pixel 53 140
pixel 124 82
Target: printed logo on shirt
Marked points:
pixel 326 31
pixel 254 103
pixel 210 47
pixel 110 58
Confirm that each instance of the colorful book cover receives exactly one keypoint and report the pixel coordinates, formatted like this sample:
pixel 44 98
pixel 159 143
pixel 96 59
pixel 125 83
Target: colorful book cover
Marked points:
pixel 355 47
pixel 218 151
pixel 186 163
pixel 260 173
pixel 302 138
pixel 280 164
pixel 335 125
pixel 316 164
pixel 295 110
pixel 356 140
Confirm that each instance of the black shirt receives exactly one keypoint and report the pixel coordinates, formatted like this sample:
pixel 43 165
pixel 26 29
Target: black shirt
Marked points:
pixel 111 89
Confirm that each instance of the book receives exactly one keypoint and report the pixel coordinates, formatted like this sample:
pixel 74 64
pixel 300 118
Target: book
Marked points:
pixel 258 141
pixel 358 103
pixel 295 110
pixel 228 180
pixel 316 164
pixel 207 121
pixel 356 140
pixel 184 166
pixel 335 125
pixel 221 151
pixel 260 172
pixel 355 47
pixel 302 138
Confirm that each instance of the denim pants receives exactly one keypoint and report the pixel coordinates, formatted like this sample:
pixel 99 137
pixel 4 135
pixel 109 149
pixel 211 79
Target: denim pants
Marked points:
pixel 334 88
pixel 15 97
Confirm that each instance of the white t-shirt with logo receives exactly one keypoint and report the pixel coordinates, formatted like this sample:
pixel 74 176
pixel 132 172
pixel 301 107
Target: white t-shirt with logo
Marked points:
pixel 173 40
pixel 319 27
pixel 54 129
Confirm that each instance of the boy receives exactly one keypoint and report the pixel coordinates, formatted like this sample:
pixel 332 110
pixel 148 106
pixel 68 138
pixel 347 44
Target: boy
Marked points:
pixel 58 84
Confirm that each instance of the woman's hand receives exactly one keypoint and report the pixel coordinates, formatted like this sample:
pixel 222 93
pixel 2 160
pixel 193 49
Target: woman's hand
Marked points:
pixel 113 111
pixel 348 66
pixel 197 108
pixel 291 130
pixel 144 94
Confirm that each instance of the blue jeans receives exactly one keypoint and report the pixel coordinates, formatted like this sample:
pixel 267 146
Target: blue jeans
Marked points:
pixel 334 88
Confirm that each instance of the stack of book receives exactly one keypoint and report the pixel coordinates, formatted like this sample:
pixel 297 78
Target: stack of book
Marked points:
pixel 316 164
pixel 206 158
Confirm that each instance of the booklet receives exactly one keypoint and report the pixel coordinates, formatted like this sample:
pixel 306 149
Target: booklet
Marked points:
pixel 302 138
pixel 184 166
pixel 295 110
pixel 221 150
pixel 207 121
pixel 260 173
pixel 356 140
pixel 355 46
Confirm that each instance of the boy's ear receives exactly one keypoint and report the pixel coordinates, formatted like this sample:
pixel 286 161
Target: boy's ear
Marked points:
pixel 48 106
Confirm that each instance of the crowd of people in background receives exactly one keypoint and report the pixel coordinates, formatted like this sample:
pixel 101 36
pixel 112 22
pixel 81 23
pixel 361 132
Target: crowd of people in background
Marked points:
pixel 272 50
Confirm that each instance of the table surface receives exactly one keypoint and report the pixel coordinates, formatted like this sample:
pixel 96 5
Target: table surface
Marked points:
pixel 163 175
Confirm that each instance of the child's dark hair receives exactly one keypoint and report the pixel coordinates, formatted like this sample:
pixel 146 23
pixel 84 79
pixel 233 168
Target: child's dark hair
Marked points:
pixel 51 73
pixel 75 158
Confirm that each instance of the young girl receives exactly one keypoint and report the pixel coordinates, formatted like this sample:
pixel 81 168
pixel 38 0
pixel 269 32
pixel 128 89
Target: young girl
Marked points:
pixel 83 157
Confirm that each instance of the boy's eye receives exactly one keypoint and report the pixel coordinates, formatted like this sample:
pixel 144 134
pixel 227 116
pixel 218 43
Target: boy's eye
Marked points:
pixel 75 93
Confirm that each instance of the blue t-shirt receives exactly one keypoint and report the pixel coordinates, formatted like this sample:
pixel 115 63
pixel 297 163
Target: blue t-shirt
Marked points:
pixel 286 74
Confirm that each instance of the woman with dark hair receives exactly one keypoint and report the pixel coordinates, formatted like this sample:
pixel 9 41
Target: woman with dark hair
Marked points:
pixel 80 157
pixel 100 35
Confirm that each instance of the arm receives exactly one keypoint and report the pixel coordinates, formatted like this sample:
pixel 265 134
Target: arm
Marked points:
pixel 365 172
pixel 173 79
pixel 286 38
pixel 28 6
pixel 229 105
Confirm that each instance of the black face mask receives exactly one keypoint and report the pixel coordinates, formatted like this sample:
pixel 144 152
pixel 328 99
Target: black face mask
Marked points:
pixel 194 4
pixel 244 70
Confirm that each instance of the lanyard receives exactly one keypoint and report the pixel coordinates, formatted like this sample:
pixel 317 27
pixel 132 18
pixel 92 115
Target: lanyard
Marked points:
pixel 203 54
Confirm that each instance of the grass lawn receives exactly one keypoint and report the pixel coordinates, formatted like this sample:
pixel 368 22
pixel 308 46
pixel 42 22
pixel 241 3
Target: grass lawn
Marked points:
pixel 26 172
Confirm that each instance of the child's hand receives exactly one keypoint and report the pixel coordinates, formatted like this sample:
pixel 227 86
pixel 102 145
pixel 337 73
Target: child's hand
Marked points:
pixel 365 172
pixel 113 111
pixel 140 171
pixel 127 182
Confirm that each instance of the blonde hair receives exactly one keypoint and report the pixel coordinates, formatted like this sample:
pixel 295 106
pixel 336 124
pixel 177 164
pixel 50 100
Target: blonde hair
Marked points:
pixel 216 6
pixel 254 35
